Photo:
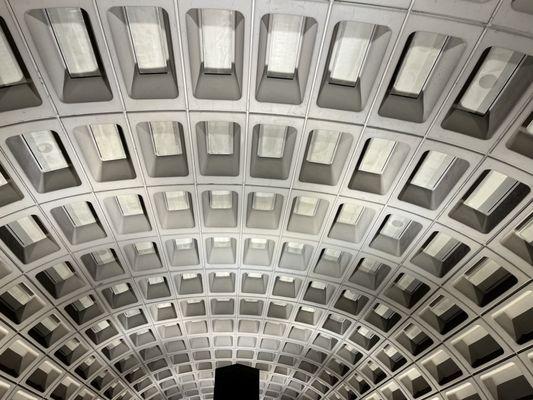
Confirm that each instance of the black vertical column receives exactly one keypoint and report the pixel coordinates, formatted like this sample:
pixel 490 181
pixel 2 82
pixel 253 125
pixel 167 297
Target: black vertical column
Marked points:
pixel 236 382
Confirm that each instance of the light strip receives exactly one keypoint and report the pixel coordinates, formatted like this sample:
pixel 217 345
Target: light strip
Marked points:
pixel 217 40
pixel 219 137
pixel 323 146
pixel 10 71
pixel 108 142
pixel 165 140
pixel 80 214
pixel 271 143
pixel 129 204
pixel 45 150
pixel 490 192
pixel 148 38
pixel 492 76
pixel 419 61
pixel 432 170
pixel 73 41
pixel 350 49
pixel 377 155
pixel 284 44
pixel 26 231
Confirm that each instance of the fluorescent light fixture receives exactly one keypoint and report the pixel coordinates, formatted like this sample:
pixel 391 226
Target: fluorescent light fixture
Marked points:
pixel 156 280
pixel 73 41
pixel 79 213
pixel 318 285
pixel 221 242
pixel 432 170
pixel 177 200
pixel 529 127
pixel 148 38
pixel 45 150
pixel 188 276
pixel 271 143
pixel 258 244
pixel 286 279
pixel 395 226
pixel 183 244
pixel 222 274
pixel 294 248
pixel 144 248
pixel 486 273
pixel 441 246
pixel 368 265
pixel 490 192
pixel 422 55
pixel 59 272
pixel 262 201
pixel 3 179
pixel 254 275
pixel 492 76
pixel 21 293
pixel 165 139
pixel 100 326
pixel 219 137
pixel 350 49
pixel 284 43
pixel 132 313
pixel 331 255
pixel 26 231
pixel 323 146
pixel 377 154
pixel 50 323
pixel 83 303
pixel 10 71
pixel 525 232
pixel 220 199
pixel 350 213
pixel 104 256
pixel 120 288
pixel 108 142
pixel 217 40
pixel 407 283
pixel 306 206
pixel 383 311
pixel 129 204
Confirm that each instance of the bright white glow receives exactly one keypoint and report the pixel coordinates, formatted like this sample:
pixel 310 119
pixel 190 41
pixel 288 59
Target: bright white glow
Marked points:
pixel 323 146
pixel 165 139
pixel 72 37
pixel 104 256
pixel 188 276
pixel 217 40
pixel 418 63
pixel 306 206
pixel 10 72
pixel 263 201
pixel 318 285
pixel 350 213
pixel 331 255
pixel 284 44
pixel 377 154
pixel 432 170
pixel 221 242
pixel 258 244
pixel 220 199
pixel 108 142
pixel 177 201
pixel 441 246
pixel 286 279
pixel 80 213
pixel 294 248
pixel 148 38
pixel 254 275
pixel 21 294
pixel 45 150
pixel 271 143
pixel 120 288
pixel 157 280
pixel 132 313
pixel 59 272
pixel 526 231
pixel 219 137
pixel 490 192
pixel 27 231
pixel 183 244
pixel 395 226
pixel 490 79
pixel 222 274
pixel 352 42
pixel 129 204
pixel 144 248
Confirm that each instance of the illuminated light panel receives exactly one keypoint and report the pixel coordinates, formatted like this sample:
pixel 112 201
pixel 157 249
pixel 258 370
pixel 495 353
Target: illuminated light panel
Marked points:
pixel 144 248
pixel 104 256
pixel 83 303
pixel 377 155
pixel 59 272
pixel 263 201
pixel 217 40
pixel 148 37
pixel 331 255
pixel 220 199
pixel 490 79
pixel 490 192
pixel 350 213
pixel 73 41
pixel 3 179
pixel 177 200
pixel 165 140
pixel 221 242
pixel 350 49
pixel 271 143
pixel 21 293
pixel 184 244
pixel 529 128
pixel 156 280
pixel 10 71
pixel 432 170
pixel 395 226
pixel 323 146
pixel 306 206
pixel 422 55
pixel 26 231
pixel 45 150
pixel 284 43
pixel 525 232
pixel 294 248
pixel 129 204
pixel 441 246
pixel 219 137
pixel 108 142
pixel 258 244
pixel 120 288
pixel 80 213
